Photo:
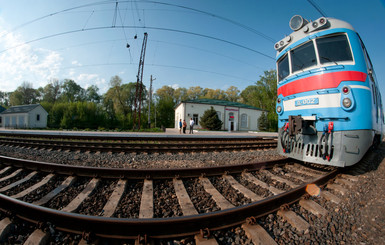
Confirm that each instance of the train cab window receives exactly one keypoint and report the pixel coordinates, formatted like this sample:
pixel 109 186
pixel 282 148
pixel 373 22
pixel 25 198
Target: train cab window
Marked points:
pixel 334 49
pixel 303 57
pixel 283 67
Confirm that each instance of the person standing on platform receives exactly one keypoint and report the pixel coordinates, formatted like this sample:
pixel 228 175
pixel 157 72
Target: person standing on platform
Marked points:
pixel 184 126
pixel 191 126
pixel 180 126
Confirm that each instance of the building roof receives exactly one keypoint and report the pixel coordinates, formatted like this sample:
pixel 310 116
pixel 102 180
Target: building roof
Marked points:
pixel 2 109
pixel 20 109
pixel 222 103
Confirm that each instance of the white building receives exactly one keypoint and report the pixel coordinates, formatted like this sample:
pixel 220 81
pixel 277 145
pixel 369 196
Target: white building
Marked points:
pixel 24 116
pixel 235 116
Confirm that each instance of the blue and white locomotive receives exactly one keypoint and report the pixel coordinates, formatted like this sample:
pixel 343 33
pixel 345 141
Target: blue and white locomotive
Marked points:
pixel 329 106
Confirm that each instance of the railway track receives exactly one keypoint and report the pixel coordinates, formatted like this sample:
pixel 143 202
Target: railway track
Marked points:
pixel 141 205
pixel 136 144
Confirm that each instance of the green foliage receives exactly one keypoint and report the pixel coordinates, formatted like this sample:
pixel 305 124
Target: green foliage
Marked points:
pixel 71 106
pixel 165 112
pixel 72 92
pixel 263 95
pixel 210 120
pixel 262 122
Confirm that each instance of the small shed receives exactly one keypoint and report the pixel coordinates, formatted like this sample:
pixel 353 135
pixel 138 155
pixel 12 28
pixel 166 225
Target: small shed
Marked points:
pixel 235 116
pixel 24 116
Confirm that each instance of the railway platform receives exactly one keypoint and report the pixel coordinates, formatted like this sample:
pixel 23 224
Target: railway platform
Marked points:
pixel 170 132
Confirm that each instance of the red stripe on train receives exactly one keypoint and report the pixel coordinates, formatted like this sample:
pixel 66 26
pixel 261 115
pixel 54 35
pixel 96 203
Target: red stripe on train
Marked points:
pixel 322 81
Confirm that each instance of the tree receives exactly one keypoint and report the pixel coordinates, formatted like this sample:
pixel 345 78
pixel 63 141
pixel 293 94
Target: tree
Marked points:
pixel 92 94
pixel 165 100
pixel 232 94
pixel 210 120
pixel 180 94
pixel 249 96
pixel 24 95
pixel 194 93
pixel 72 92
pixel 121 95
pixel 52 91
pixel 216 94
pixel 262 122
pixel 263 95
pixel 267 86
pixel 4 98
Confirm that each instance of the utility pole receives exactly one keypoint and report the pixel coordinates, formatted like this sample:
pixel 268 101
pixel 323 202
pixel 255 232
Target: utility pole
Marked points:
pixel 149 104
pixel 139 86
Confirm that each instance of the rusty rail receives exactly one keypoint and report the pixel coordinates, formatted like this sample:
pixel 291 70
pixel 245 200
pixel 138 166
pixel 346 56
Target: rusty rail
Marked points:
pixel 158 227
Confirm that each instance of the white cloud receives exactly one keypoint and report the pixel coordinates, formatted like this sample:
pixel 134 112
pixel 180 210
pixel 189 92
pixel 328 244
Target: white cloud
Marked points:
pixel 77 63
pixel 175 86
pixel 86 80
pixel 21 62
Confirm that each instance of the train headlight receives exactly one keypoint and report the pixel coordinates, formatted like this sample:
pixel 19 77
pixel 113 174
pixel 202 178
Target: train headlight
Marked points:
pixel 297 22
pixel 346 102
pixel 345 90
pixel 279 109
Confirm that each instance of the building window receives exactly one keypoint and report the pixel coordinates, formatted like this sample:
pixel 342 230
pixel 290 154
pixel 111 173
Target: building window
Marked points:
pixel 38 117
pixel 244 120
pixel 195 118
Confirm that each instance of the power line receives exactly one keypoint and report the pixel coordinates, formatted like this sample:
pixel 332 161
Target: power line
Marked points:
pixel 317 8
pixel 147 27
pixel 160 65
pixel 219 17
pixel 154 2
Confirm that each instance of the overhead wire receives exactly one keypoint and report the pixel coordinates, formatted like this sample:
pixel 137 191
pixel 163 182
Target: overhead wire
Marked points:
pixel 157 65
pixel 147 27
pixel 123 26
pixel 88 19
pixel 317 8
pixel 154 2
pixel 124 32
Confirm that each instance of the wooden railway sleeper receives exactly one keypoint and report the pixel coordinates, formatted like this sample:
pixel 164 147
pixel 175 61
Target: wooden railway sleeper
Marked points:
pixel 205 233
pixel 284 207
pixel 251 220
pixel 141 240
pixel 88 236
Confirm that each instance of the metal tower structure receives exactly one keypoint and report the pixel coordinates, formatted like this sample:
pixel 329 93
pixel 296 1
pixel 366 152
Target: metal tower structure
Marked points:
pixel 139 86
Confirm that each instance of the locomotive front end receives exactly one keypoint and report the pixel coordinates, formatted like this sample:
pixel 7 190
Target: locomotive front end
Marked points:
pixel 324 104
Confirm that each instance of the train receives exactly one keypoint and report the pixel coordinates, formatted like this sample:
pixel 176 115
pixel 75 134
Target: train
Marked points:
pixel 328 101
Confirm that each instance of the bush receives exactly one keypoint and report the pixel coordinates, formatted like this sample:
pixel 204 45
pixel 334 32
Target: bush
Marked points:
pixel 262 122
pixel 210 120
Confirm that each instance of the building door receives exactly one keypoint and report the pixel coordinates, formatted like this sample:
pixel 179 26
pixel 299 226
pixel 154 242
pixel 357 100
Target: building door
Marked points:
pixel 231 121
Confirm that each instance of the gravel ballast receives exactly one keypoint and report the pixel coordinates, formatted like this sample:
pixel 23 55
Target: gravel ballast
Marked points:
pixel 358 219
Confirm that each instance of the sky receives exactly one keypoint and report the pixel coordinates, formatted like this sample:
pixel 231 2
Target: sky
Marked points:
pixel 208 43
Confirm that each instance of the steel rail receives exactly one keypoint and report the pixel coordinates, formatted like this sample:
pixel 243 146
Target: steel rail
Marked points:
pixel 158 227
pixel 196 141
pixel 142 137
pixel 147 147
pixel 126 173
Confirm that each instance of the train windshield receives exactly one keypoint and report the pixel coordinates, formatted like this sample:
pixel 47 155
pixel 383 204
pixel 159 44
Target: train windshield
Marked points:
pixel 283 67
pixel 334 49
pixel 331 49
pixel 303 57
